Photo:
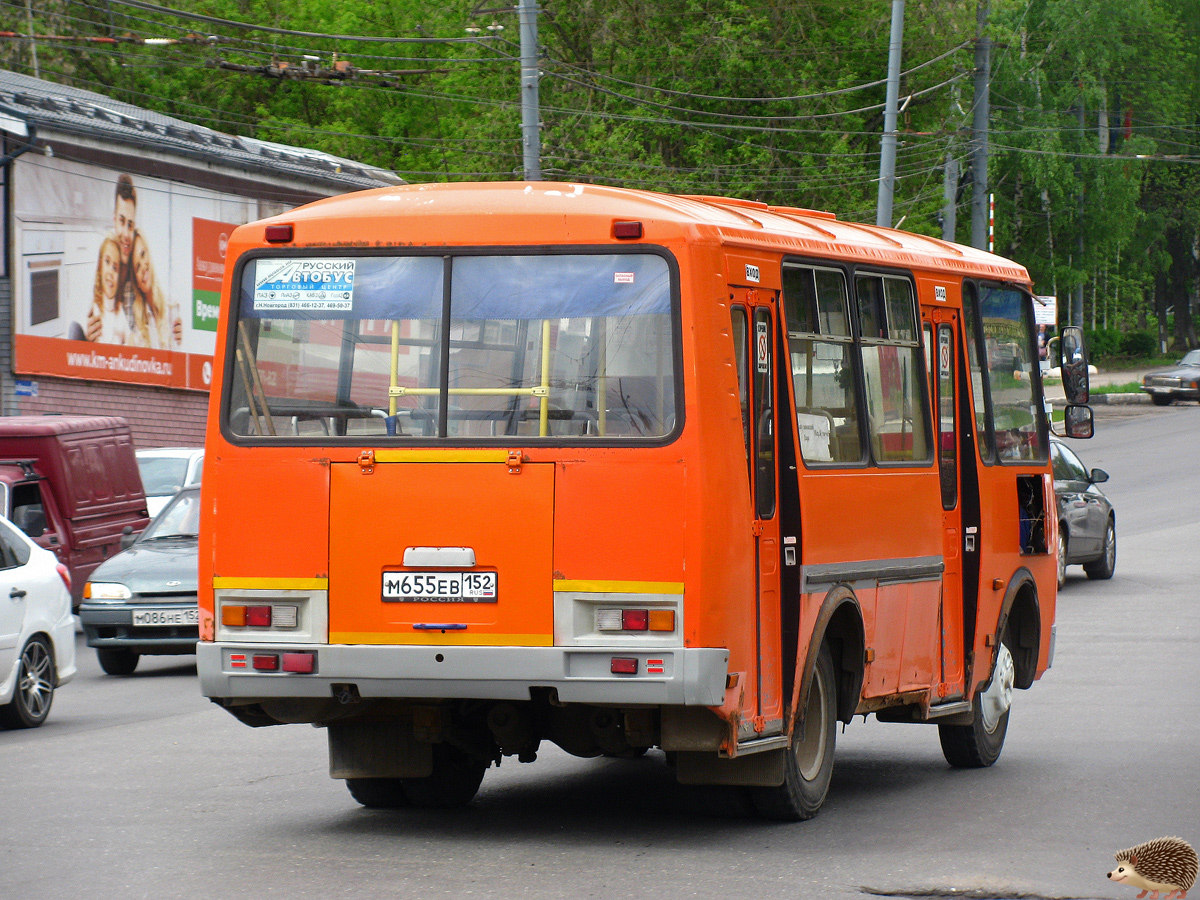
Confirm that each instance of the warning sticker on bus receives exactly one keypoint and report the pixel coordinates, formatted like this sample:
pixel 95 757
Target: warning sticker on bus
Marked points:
pixel 316 284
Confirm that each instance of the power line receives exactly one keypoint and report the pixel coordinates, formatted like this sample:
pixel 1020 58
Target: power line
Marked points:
pixel 247 26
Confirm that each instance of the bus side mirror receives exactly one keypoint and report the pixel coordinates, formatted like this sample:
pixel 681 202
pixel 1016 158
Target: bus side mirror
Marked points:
pixel 1078 421
pixel 1074 364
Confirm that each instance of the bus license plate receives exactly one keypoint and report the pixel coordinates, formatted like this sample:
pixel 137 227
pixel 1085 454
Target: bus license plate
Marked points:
pixel 188 616
pixel 439 587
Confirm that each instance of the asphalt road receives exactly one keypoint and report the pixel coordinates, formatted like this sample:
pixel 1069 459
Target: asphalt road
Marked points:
pixel 138 787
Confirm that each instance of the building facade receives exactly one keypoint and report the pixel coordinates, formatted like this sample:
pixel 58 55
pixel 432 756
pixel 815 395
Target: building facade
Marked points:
pixel 115 223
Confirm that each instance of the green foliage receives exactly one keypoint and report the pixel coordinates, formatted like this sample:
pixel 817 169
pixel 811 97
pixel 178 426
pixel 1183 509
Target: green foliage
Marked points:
pixel 1139 344
pixel 1102 343
pixel 1095 107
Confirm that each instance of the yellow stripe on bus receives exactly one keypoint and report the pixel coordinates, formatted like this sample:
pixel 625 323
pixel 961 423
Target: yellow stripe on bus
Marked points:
pixel 270 584
pixel 441 456
pixel 619 587
pixel 438 638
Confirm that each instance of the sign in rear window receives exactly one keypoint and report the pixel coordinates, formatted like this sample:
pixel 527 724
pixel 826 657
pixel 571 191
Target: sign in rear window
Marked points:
pixel 318 284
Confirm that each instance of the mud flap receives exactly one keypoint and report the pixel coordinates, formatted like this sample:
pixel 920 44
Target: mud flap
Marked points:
pixel 763 769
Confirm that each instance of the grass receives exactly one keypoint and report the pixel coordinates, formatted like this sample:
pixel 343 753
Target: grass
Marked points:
pixel 1132 387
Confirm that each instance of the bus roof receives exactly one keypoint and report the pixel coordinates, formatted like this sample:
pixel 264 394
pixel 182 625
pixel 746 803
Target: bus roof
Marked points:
pixel 563 208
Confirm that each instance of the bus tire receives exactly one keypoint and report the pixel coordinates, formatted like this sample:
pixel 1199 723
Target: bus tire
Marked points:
pixel 808 767
pixel 378 793
pixel 454 782
pixel 978 745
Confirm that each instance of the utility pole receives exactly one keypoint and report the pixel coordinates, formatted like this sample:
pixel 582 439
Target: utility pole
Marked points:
pixel 979 128
pixel 32 42
pixel 1077 294
pixel 887 154
pixel 531 143
pixel 950 199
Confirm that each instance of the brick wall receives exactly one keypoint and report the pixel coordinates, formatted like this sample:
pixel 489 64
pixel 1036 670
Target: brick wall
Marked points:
pixel 158 417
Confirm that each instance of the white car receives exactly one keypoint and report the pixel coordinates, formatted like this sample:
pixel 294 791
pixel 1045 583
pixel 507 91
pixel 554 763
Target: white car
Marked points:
pixel 167 469
pixel 37 630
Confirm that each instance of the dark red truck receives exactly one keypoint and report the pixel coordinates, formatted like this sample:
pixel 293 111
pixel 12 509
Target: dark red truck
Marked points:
pixel 72 484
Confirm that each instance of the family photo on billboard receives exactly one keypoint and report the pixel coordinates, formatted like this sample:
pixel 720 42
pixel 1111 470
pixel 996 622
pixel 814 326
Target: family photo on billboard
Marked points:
pixel 119 272
pixel 129 305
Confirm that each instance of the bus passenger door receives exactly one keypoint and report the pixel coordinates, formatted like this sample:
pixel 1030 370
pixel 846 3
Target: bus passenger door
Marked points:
pixel 941 336
pixel 762 443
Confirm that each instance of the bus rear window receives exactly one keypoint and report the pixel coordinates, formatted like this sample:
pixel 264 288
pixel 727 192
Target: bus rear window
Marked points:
pixel 552 346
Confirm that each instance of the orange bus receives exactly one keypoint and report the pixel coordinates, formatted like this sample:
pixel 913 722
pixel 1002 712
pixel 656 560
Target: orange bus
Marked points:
pixel 496 464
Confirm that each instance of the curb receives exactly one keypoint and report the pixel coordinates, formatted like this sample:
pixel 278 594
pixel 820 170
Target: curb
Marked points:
pixel 1120 399
pixel 1107 400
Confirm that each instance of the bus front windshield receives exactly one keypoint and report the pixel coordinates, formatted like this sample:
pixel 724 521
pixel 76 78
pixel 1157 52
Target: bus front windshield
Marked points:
pixel 425 348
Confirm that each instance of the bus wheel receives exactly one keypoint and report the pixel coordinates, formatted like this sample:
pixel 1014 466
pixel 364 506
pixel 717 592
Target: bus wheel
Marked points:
pixel 378 793
pixel 979 744
pixel 808 768
pixel 454 782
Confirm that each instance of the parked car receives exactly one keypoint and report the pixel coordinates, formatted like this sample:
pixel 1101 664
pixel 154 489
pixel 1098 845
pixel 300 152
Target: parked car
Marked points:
pixel 1087 523
pixel 1179 383
pixel 37 630
pixel 143 601
pixel 167 469
pixel 71 483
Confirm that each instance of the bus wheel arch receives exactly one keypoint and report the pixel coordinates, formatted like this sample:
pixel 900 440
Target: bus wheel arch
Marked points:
pixel 840 625
pixel 1021 622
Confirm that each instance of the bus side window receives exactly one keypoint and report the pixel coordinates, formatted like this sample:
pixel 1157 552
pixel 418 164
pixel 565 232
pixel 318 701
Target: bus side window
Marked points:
pixel 816 316
pixel 893 375
pixel 741 353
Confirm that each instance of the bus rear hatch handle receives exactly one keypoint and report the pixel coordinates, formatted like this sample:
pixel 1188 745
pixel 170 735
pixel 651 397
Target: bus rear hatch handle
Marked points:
pixel 442 626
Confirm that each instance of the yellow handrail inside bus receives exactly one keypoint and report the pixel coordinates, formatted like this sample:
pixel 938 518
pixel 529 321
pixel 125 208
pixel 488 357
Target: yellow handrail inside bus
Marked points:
pixel 544 418
pixel 541 391
pixel 395 370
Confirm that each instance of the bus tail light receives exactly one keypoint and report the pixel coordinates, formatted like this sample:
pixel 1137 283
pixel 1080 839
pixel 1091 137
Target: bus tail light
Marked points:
pixel 265 662
pixel 624 665
pixel 635 620
pixel 258 616
pixel 304 663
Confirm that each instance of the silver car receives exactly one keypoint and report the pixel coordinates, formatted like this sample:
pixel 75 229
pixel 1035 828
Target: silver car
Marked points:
pixel 1087 523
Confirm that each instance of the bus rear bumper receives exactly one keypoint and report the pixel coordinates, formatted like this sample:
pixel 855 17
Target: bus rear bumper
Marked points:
pixel 693 676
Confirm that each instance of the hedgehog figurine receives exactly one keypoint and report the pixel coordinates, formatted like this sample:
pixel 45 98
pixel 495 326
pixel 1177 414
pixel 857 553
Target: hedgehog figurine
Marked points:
pixel 1166 865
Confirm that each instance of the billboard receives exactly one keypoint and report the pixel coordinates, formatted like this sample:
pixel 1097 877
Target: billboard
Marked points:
pixel 118 276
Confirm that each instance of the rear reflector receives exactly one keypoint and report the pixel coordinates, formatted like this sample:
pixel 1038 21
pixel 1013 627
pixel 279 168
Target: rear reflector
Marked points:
pixel 299 662
pixel 624 665
pixel 266 662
